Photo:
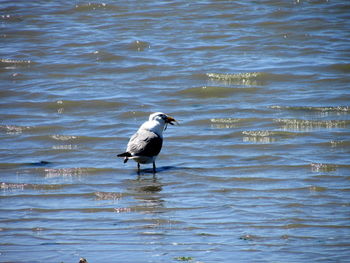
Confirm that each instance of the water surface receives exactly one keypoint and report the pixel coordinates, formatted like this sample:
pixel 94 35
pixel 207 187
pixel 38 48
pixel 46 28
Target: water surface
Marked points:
pixel 257 171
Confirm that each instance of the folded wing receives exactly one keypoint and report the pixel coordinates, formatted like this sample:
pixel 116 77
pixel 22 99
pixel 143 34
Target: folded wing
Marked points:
pixel 145 143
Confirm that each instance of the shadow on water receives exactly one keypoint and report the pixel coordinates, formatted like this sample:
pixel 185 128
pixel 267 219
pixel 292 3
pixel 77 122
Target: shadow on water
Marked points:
pixel 166 168
pixel 39 164
pixel 158 170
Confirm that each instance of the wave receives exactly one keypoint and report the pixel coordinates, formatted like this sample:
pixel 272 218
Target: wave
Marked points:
pixel 73 171
pixel 10 64
pixel 5 61
pixel 265 136
pixel 323 167
pixel 14 129
pixel 108 196
pixel 225 120
pixel 62 105
pixel 248 78
pixel 102 56
pixel 63 137
pixel 342 109
pixel 226 123
pixel 139 45
pixel 341 67
pixel 214 91
pixel 22 186
pixel 90 6
pixel 266 133
pixel 299 124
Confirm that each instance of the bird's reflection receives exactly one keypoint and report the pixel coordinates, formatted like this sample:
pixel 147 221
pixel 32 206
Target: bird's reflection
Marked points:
pixel 146 189
pixel 151 171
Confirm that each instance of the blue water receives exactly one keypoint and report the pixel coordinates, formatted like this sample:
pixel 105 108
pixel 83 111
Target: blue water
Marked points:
pixel 257 170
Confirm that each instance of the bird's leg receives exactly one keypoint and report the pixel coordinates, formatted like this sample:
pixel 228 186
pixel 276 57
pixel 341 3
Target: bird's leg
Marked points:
pixel 154 167
pixel 138 168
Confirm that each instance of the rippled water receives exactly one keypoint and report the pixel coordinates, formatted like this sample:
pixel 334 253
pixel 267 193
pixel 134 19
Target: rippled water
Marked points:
pixel 257 171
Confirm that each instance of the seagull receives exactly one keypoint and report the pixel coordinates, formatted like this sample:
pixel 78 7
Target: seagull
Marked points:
pixel 145 145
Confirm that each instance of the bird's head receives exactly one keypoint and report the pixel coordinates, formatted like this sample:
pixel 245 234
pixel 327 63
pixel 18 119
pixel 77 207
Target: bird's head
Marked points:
pixel 162 118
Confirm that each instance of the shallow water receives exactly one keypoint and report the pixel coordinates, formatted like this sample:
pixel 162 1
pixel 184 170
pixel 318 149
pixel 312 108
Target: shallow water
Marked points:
pixel 257 171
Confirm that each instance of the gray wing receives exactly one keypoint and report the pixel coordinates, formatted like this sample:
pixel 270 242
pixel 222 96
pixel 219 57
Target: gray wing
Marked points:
pixel 145 143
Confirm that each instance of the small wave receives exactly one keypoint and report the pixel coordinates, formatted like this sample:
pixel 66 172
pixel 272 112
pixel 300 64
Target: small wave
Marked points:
pixel 263 133
pixel 9 64
pixel 226 123
pixel 264 136
pixel 323 167
pixel 73 172
pixel 340 143
pixel 139 45
pixel 345 109
pixel 11 18
pixel 87 8
pixel 11 186
pixel 104 56
pixel 64 172
pixel 65 147
pixel 225 120
pixel 63 137
pixel 85 104
pixel 20 186
pixel 90 6
pixel 13 129
pixel 108 196
pixel 161 78
pixel 14 61
pixel 250 79
pixel 341 67
pixel 203 47
pixel 221 76
pixel 298 124
pixel 213 91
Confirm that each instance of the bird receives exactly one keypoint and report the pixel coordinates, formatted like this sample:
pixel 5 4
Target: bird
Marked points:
pixel 145 145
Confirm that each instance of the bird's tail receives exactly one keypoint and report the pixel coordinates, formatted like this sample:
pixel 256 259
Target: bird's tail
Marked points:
pixel 125 155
